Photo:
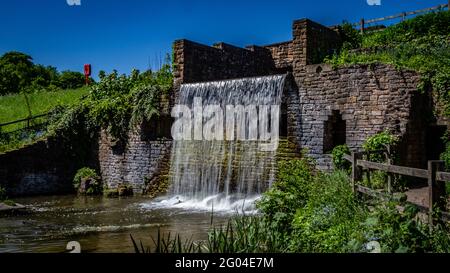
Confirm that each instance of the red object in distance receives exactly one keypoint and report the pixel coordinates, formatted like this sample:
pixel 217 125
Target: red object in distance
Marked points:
pixel 87 69
pixel 87 72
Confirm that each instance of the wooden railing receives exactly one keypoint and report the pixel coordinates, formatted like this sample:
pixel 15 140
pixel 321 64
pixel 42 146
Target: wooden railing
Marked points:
pixel 362 24
pixel 434 174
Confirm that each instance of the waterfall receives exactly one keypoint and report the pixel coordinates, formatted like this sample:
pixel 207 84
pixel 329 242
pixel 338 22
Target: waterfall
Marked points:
pixel 225 174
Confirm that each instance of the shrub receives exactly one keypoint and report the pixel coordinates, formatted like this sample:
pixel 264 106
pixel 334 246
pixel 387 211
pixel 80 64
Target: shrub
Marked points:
pixel 329 217
pixel 86 181
pixel 289 192
pixel 71 79
pixel 377 142
pixel 338 158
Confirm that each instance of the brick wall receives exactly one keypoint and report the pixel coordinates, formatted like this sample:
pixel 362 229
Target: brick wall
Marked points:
pixel 282 55
pixel 131 164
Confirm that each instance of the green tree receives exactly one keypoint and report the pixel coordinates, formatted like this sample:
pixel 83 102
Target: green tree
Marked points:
pixel 16 71
pixel 71 79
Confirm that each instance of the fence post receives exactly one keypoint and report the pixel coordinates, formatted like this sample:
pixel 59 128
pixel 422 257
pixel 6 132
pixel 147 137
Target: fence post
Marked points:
pixel 367 171
pixel 436 189
pixel 389 162
pixel 356 170
pixel 362 26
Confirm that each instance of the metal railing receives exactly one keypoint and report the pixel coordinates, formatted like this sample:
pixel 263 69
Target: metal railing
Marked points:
pixel 28 123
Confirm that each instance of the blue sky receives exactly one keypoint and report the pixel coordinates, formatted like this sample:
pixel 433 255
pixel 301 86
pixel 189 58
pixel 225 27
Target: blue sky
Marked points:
pixel 126 34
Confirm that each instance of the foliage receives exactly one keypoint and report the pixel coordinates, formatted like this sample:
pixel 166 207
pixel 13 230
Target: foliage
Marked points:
pixel 14 107
pixel 379 142
pixel 117 103
pixel 242 234
pixel 399 232
pixel 351 38
pixel 445 156
pixel 15 72
pixel 338 157
pixel 18 139
pixel 71 79
pixel 289 192
pixel 421 44
pixel 87 174
pixel 323 216
pixel 331 214
pixel 18 73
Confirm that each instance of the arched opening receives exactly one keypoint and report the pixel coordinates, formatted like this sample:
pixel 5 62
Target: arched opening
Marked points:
pixel 334 132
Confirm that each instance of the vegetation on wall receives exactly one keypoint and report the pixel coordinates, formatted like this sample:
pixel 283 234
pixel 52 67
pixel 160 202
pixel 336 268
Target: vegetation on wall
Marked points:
pixel 117 104
pixel 421 44
pixel 87 181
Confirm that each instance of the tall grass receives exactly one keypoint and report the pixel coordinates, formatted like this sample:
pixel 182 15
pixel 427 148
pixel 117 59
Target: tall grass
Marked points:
pixel 242 234
pixel 14 107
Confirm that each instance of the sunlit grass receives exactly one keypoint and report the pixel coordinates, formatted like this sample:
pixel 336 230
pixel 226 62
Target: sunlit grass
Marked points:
pixel 14 107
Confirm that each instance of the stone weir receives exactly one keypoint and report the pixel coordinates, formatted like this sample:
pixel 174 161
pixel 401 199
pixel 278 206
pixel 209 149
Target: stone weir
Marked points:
pixel 238 161
pixel 199 169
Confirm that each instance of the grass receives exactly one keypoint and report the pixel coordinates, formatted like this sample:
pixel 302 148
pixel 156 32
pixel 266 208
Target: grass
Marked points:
pixel 421 44
pixel 14 107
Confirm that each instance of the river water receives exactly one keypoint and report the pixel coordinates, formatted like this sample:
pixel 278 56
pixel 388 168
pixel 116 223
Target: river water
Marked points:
pixel 99 224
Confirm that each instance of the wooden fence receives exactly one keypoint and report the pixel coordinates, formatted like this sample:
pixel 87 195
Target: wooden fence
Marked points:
pixel 434 174
pixel 363 23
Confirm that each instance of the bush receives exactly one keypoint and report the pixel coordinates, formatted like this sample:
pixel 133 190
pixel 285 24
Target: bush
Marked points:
pixel 329 217
pixel 338 158
pixel 289 192
pixel 377 142
pixel 86 181
pixel 71 80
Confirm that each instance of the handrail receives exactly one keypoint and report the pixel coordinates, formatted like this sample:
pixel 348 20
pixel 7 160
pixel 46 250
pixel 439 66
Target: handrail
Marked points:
pixel 25 119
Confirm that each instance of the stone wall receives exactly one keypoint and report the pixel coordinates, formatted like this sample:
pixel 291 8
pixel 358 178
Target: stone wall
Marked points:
pixel 138 160
pixel 43 168
pixel 194 62
pixel 282 55
pixel 369 99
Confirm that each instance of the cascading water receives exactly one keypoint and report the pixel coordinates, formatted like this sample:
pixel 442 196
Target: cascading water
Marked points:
pixel 225 175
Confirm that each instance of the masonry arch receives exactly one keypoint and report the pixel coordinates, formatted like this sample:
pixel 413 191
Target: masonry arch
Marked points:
pixel 335 131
